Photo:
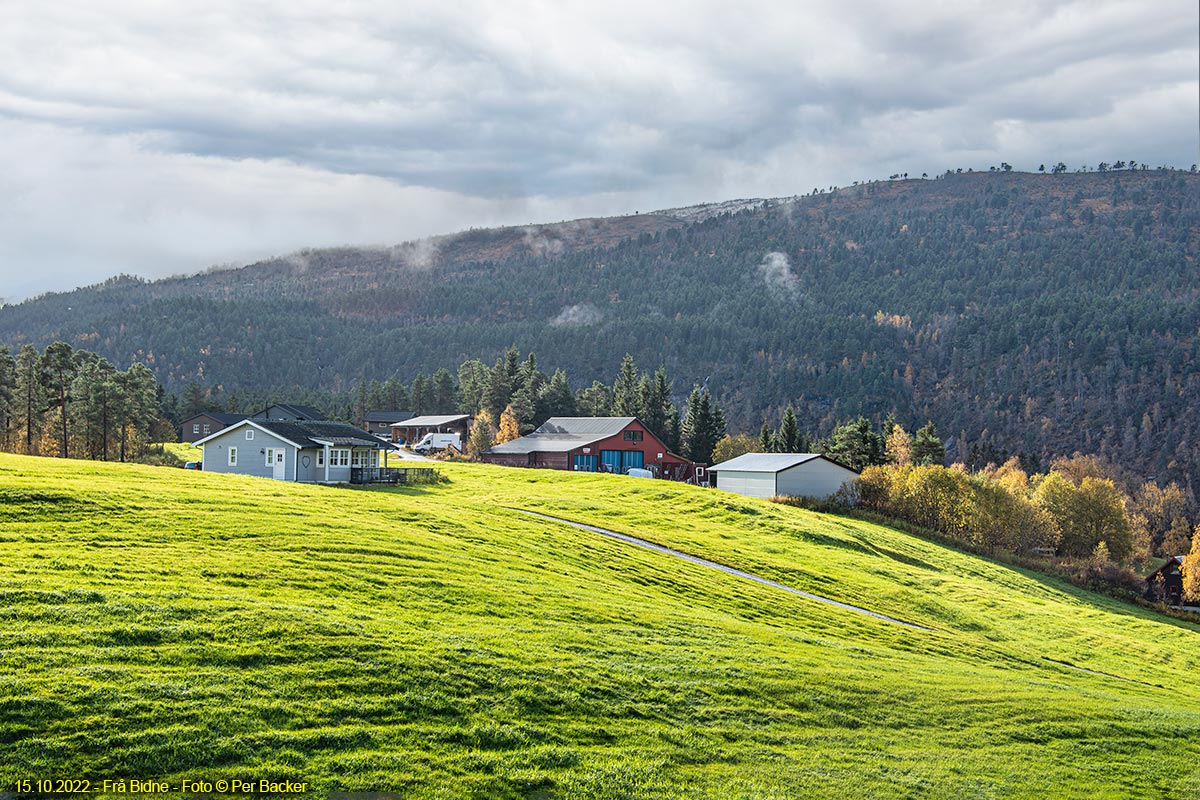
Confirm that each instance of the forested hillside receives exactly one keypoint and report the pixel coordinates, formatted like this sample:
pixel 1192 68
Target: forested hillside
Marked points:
pixel 1027 313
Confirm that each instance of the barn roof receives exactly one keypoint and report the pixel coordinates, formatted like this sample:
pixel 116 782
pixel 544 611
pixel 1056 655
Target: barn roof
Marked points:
pixel 599 427
pixel 767 462
pixel 563 434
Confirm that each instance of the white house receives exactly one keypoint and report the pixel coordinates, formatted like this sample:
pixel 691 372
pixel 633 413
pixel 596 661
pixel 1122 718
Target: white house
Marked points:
pixel 308 451
pixel 771 474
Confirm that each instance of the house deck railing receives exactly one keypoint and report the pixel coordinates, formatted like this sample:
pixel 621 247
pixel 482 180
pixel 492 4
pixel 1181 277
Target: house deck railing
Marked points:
pixel 392 475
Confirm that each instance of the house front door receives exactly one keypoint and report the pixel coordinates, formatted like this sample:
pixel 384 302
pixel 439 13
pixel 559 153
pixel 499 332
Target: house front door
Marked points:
pixel 280 465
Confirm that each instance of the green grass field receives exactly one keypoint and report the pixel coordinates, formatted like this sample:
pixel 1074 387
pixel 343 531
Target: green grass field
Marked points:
pixel 433 642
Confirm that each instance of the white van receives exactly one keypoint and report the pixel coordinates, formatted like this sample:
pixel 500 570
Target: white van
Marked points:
pixel 437 441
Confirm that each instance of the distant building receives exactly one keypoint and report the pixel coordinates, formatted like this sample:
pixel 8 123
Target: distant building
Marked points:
pixel 288 412
pixel 773 474
pixel 308 451
pixel 1165 584
pixel 593 444
pixel 380 422
pixel 205 424
pixel 412 429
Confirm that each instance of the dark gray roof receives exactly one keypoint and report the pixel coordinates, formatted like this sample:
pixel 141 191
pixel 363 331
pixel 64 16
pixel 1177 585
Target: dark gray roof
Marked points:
pixel 767 462
pixel 313 433
pixel 563 434
pixel 296 412
pixel 219 416
pixel 389 416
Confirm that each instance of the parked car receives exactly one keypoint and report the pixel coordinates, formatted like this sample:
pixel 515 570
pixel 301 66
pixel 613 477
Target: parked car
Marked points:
pixel 193 465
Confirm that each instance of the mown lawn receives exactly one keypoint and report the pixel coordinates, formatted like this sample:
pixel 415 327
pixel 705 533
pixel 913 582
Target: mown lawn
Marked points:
pixel 433 642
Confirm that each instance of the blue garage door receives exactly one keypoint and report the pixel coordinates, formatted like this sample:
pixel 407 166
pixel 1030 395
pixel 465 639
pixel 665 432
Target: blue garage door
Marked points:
pixel 621 461
pixel 585 463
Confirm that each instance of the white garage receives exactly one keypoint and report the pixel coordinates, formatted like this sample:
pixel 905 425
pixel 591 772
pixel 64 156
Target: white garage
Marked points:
pixel 771 474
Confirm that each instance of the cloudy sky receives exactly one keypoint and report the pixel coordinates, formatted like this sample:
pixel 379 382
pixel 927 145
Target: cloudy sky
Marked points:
pixel 159 138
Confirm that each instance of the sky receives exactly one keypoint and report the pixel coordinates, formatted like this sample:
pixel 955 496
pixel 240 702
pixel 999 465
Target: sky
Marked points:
pixel 152 138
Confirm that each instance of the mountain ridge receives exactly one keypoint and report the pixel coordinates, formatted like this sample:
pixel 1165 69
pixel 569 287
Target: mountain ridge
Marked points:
pixel 1025 312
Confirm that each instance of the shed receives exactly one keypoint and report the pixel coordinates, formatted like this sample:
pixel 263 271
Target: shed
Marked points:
pixel 411 430
pixel 1165 584
pixel 772 474
pixel 380 422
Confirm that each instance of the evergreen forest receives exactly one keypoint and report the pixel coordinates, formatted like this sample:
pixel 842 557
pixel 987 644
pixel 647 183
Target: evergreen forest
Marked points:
pixel 1028 314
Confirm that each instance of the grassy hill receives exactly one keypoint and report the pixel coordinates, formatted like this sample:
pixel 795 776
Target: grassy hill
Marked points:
pixel 435 642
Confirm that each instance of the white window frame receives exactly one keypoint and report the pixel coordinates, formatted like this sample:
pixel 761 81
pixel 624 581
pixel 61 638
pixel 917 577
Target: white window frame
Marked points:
pixel 249 434
pixel 339 457
pixel 195 428
pixel 233 456
pixel 321 457
pixel 207 430
pixel 270 456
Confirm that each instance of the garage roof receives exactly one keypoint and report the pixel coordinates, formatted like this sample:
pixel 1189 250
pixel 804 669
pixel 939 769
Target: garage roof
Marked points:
pixel 764 462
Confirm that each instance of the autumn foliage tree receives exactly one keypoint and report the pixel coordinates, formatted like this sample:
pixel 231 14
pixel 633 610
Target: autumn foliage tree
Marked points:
pixel 510 428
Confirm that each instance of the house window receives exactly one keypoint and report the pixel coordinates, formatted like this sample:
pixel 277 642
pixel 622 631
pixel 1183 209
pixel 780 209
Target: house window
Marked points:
pixel 249 435
pixel 339 458
pixel 195 428
pixel 356 458
pixel 233 456
pixel 207 430
pixel 633 436
pixel 321 457
pixel 270 456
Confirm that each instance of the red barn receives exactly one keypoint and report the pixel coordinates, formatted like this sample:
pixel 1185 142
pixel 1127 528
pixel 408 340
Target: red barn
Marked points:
pixel 592 444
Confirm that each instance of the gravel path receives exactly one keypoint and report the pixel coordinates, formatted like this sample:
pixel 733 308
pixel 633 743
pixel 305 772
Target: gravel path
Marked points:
pixel 704 562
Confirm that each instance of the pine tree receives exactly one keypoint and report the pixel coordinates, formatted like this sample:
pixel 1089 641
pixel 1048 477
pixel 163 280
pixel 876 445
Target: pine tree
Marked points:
pixel 138 405
pixel 671 430
pixel 445 398
pixel 656 402
pixel 421 395
pixel 927 447
pixel 789 431
pixel 627 395
pixel 473 379
pixel 8 388
pixel 556 399
pixel 855 445
pixel 28 400
pixel 57 369
pixel 509 426
pixel 703 426
pixel 766 439
pixel 595 401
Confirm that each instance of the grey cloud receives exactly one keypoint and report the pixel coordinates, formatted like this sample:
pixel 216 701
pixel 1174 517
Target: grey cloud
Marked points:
pixel 476 113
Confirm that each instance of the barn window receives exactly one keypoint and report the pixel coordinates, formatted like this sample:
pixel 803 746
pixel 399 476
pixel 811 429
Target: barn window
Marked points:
pixel 633 436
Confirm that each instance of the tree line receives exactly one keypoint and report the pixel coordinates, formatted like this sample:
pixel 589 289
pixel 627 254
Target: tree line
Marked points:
pixel 74 403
